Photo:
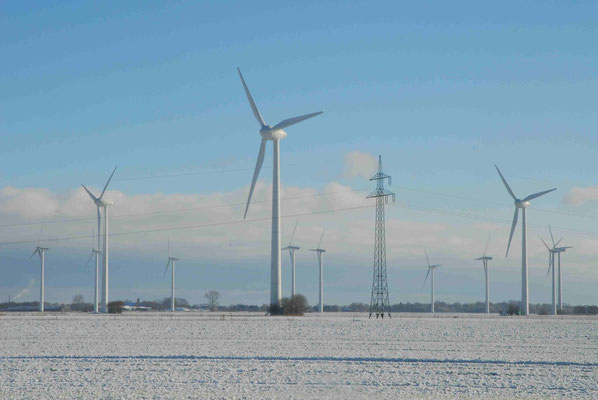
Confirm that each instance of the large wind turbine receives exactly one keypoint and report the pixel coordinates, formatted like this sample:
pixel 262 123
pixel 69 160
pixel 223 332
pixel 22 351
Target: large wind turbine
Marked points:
pixel 171 261
pixel 320 253
pixel 523 204
pixel 96 289
pixel 101 203
pixel 275 134
pixel 291 250
pixel 485 260
pixel 42 260
pixel 431 268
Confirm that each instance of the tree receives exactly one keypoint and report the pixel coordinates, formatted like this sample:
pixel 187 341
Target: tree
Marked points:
pixel 78 299
pixel 296 305
pixel 115 307
pixel 212 297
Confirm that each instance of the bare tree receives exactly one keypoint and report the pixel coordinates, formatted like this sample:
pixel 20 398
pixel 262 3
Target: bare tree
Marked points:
pixel 78 299
pixel 212 297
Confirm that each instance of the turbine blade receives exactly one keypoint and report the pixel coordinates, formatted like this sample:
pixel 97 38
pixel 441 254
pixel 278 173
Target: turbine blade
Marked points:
pixel 515 218
pixel 166 269
pixel 547 248
pixel 557 243
pixel 294 229
pixel 425 280
pixel 89 193
pixel 321 237
pixel 89 259
pixel 256 173
pixel 506 184
pixel 256 112
pixel 292 121
pixel 109 179
pixel 536 195
pixel 550 261
pixel 427 258
pixel 486 248
pixel 32 254
pixel 551 237
pixel 169 248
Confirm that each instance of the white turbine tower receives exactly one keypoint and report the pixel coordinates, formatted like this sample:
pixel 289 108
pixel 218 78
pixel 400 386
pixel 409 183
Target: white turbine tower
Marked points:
pixel 431 268
pixel 96 288
pixel 320 253
pixel 103 204
pixel 291 250
pixel 523 204
pixel 275 134
pixel 42 260
pixel 171 261
pixel 485 260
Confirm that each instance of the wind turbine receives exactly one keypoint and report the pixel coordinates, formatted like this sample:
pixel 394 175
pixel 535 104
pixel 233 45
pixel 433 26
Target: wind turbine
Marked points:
pixel 431 268
pixel 96 289
pixel 101 203
pixel 291 250
pixel 41 251
pixel 171 260
pixel 275 134
pixel 523 204
pixel 485 260
pixel 321 252
pixel 551 252
pixel 558 251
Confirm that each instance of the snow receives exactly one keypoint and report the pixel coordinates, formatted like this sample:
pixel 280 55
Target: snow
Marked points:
pixel 244 355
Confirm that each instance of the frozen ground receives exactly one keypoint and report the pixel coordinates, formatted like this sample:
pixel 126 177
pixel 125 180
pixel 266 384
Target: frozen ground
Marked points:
pixel 199 355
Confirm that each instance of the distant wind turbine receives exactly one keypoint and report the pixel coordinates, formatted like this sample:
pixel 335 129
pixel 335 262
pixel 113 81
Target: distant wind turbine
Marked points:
pixel 96 288
pixel 521 204
pixel 485 260
pixel 275 134
pixel 103 204
pixel 291 250
pixel 171 261
pixel 551 252
pixel 41 251
pixel 320 253
pixel 431 268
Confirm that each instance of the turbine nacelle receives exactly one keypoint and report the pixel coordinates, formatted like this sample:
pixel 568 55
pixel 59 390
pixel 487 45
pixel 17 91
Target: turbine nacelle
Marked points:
pixel 522 203
pixel 270 133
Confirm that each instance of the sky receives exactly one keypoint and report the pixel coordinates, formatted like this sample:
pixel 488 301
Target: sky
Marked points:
pixel 442 90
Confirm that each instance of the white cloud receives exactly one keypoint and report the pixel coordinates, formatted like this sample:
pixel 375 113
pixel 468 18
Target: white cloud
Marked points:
pixel 358 164
pixel 580 195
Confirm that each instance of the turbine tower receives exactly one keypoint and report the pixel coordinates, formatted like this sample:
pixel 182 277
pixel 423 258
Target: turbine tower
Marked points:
pixel 320 253
pixel 291 250
pixel 171 261
pixel 42 260
pixel 96 288
pixel 521 204
pixel 431 268
pixel 103 204
pixel 379 303
pixel 560 250
pixel 485 260
pixel 275 134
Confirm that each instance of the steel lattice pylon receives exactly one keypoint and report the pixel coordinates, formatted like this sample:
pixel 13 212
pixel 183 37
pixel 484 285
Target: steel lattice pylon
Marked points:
pixel 379 303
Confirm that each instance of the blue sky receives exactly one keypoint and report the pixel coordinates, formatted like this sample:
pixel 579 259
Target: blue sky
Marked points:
pixel 442 90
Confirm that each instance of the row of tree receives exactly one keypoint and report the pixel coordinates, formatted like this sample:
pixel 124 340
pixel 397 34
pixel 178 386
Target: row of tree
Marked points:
pixel 298 305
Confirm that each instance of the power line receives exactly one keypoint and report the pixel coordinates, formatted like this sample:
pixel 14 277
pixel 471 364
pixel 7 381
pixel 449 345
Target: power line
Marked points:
pixel 171 211
pixel 188 227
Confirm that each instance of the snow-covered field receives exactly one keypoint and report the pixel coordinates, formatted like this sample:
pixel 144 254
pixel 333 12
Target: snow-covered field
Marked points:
pixel 203 355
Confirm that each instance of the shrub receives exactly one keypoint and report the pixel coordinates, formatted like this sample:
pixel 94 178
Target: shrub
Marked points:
pixel 115 307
